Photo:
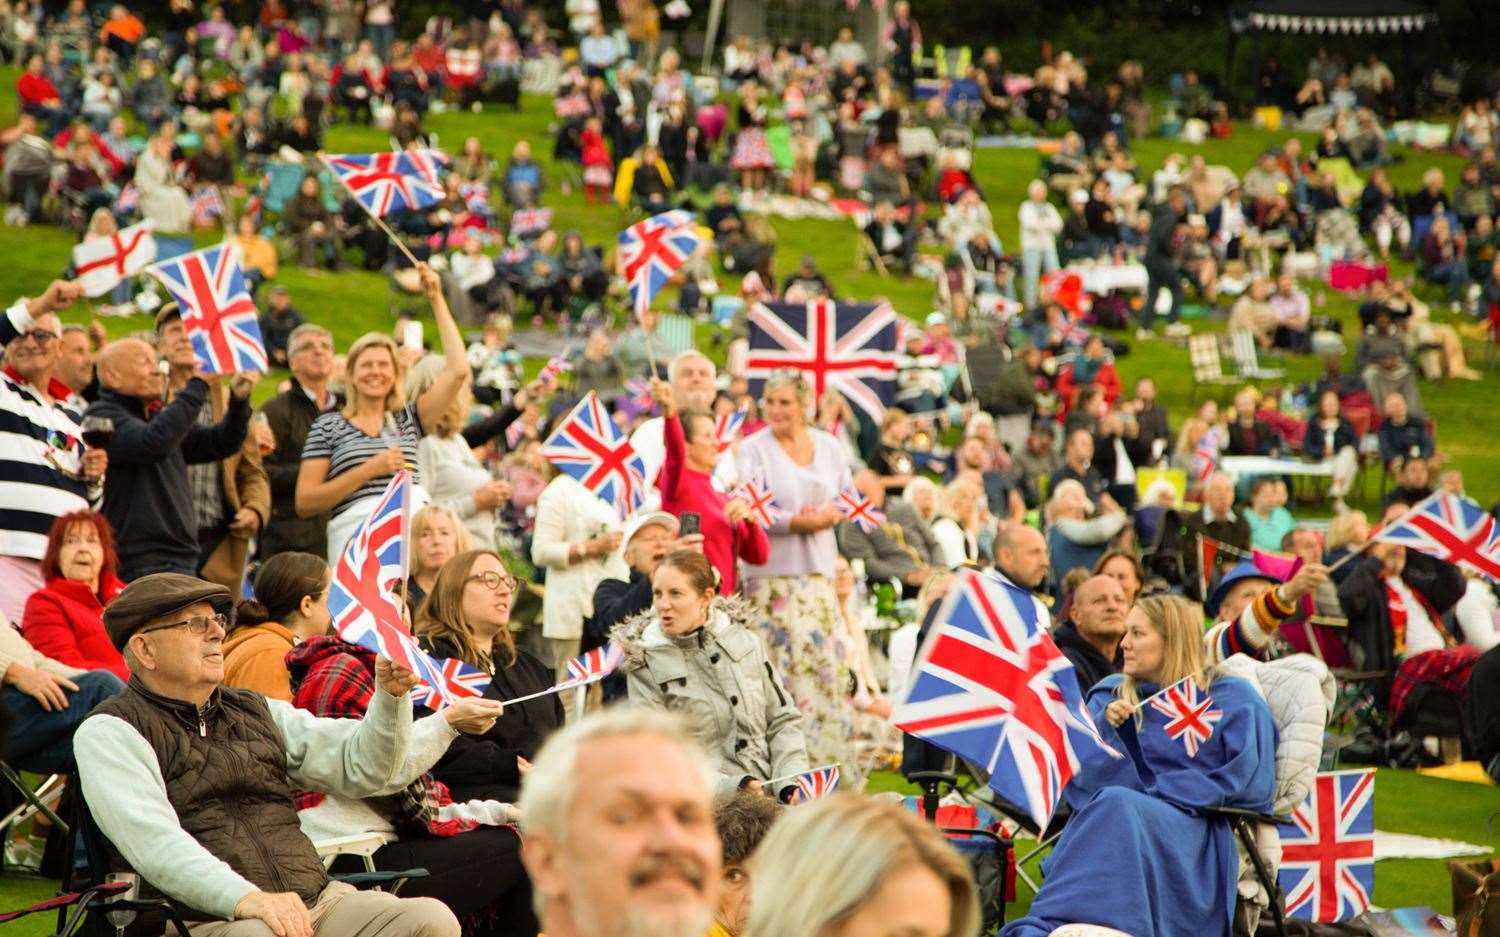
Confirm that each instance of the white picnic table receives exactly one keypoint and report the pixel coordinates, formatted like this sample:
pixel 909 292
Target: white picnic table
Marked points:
pixel 1241 465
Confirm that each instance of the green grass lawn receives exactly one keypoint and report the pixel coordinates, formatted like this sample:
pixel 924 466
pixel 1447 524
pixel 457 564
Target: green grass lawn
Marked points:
pixel 355 302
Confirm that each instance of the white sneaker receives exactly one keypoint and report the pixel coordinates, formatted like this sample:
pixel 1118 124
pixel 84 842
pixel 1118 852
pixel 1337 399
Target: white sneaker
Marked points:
pixel 1178 330
pixel 1142 335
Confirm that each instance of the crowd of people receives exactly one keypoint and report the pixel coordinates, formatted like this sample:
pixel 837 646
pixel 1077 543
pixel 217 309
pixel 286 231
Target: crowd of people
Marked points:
pixel 167 548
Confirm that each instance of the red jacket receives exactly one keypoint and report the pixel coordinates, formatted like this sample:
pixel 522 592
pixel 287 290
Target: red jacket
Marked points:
pixel 65 621
pixel 683 489
pixel 36 89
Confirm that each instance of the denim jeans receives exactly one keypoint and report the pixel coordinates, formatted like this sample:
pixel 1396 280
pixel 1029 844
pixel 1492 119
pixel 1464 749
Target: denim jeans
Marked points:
pixel 42 741
pixel 1033 264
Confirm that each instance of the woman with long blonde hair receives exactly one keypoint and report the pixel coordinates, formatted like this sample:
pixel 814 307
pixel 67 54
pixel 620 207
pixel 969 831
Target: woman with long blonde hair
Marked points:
pixel 1185 739
pixel 876 869
pixel 351 455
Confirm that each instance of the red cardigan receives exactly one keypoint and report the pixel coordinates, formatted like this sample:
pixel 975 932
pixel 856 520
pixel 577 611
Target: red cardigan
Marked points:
pixel 683 489
pixel 65 621
pixel 36 89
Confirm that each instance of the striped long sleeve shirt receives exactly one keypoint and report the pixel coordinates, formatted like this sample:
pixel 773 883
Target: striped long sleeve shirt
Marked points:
pixel 41 453
pixel 1252 631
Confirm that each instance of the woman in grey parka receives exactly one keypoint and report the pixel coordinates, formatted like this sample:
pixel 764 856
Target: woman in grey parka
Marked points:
pixel 692 654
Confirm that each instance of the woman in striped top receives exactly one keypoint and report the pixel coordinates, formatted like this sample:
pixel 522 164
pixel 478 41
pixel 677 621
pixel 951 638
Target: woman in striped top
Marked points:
pixel 350 455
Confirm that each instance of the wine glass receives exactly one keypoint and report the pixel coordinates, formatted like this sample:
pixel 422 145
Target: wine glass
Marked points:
pixel 97 431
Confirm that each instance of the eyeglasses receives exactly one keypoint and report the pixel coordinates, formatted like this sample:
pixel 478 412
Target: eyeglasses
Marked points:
pixel 40 336
pixel 198 624
pixel 494 581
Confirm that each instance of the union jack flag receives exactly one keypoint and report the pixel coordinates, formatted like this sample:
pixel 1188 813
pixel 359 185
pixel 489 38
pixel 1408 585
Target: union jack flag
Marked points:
pixel 652 251
pixel 990 686
pixel 427 163
pixel 207 205
pixel 367 611
pixel 101 263
pixel 1190 715
pixel 859 509
pixel 217 311
pixel 762 503
pixel 593 665
pixel 592 449
pixel 1205 458
pixel 528 221
pixel 514 433
pixel 556 366
pixel 727 427
pixel 128 199
pixel 387 182
pixel 848 347
pixel 1328 849
pixel 638 399
pixel 820 782
pixel 1451 528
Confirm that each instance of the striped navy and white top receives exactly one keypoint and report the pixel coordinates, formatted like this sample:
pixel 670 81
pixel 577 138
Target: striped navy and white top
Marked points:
pixel 41 454
pixel 346 446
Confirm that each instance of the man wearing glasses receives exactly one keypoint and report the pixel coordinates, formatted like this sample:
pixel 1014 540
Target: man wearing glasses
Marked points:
pixel 192 782
pixel 45 469
pixel 288 416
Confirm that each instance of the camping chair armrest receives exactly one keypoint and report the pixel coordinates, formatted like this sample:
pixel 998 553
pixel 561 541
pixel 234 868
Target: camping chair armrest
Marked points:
pixel 364 880
pixel 921 778
pixel 1239 813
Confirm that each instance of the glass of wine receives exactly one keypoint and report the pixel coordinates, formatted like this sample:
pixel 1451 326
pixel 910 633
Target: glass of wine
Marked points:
pixel 97 431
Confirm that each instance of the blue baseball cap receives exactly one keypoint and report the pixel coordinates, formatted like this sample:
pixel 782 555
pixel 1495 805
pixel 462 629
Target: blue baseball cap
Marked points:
pixel 1239 572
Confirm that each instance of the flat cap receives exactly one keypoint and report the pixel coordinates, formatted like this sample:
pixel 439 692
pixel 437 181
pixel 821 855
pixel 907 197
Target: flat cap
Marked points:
pixel 151 597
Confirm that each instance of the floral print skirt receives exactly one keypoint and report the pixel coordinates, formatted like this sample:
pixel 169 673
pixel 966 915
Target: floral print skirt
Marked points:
pixel 799 622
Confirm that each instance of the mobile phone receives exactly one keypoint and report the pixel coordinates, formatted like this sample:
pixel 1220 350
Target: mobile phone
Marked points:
pixel 689 523
pixel 411 335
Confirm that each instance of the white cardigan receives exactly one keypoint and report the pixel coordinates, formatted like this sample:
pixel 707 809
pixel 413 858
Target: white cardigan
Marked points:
pixel 451 474
pixel 568 513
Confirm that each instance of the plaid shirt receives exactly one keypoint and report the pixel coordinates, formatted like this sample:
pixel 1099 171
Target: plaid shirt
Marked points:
pixel 206 479
pixel 339 686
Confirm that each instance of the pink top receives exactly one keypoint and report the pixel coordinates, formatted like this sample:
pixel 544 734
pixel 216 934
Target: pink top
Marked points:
pixel 683 489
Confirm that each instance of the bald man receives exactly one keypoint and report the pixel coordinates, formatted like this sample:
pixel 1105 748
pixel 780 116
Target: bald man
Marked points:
pixel 1090 638
pixel 147 496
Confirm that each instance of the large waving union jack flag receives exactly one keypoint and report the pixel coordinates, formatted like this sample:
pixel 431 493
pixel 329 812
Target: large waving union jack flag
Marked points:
pixel 1189 713
pixel 366 610
pixel 1327 867
pixel 849 347
pixel 991 687
pixel 387 182
pixel 588 446
pixel 652 251
pixel 217 311
pixel 1451 528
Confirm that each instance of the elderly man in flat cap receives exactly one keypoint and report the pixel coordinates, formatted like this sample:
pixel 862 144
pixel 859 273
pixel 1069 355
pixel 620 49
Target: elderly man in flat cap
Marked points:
pixel 192 781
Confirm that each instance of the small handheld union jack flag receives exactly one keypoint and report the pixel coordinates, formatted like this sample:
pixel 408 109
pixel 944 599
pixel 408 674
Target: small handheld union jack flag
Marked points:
pixel 592 449
pixel 367 611
pixel 638 400
pixel 387 182
pixel 220 318
pixel 652 251
pixel 526 222
pixel 727 427
pixel 1190 714
pixel 594 665
pixel 819 782
pixel 859 509
pixel 555 367
pixel 1451 528
pixel 763 509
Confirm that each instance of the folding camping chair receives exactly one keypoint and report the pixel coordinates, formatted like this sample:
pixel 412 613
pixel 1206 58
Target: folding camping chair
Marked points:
pixel 1208 368
pixel 977 834
pixel 32 801
pixel 1242 347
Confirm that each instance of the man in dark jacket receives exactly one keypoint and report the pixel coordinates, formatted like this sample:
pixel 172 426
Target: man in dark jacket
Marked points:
pixel 1153 438
pixel 1162 268
pixel 191 782
pixel 147 496
pixel 1217 520
pixel 278 323
pixel 290 415
pixel 1090 637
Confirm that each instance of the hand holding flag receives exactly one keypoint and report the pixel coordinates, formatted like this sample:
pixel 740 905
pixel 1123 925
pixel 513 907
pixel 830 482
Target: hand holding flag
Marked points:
pixel 220 318
pixel 1189 713
pixel 762 504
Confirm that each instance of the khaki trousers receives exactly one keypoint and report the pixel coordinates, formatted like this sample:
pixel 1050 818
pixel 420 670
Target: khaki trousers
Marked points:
pixel 342 911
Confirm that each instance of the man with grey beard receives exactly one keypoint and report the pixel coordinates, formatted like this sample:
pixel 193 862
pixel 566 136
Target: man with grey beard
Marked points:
pixel 619 833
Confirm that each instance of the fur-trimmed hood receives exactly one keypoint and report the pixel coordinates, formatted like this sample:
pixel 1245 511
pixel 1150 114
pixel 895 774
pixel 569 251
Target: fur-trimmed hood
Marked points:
pixel 637 634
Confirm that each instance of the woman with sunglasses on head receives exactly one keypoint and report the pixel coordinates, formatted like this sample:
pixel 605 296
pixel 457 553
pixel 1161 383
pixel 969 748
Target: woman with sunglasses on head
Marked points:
pixel 466 616
pixel 1142 815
